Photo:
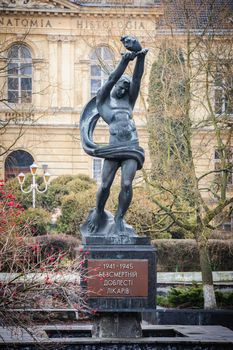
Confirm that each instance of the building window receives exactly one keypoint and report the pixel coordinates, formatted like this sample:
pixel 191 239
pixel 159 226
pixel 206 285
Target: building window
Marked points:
pixel 223 92
pixel 224 220
pixel 19 77
pixel 102 62
pixel 97 165
pixel 228 224
pixel 217 165
pixel 17 162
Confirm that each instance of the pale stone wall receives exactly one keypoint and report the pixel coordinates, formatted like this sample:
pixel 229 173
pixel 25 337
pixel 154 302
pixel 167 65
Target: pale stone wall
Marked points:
pixel 61 44
pixel 61 41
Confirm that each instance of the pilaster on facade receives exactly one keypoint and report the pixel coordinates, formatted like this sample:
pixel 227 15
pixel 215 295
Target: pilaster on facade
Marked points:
pixel 85 82
pixel 53 73
pixel 67 73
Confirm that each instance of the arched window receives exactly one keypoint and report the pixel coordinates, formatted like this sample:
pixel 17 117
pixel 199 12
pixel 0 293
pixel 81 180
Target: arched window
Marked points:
pixel 19 77
pixel 17 162
pixel 102 62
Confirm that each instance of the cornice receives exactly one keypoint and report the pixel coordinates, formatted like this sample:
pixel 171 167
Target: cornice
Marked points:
pixel 76 10
pixel 118 12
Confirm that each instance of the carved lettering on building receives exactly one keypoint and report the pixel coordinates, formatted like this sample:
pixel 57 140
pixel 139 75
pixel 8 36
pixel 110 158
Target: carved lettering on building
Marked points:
pixel 117 278
pixel 25 22
pixel 106 24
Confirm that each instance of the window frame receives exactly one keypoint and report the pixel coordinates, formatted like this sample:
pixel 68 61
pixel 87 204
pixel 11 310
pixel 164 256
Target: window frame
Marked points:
pixel 227 223
pixel 217 162
pixel 18 160
pixel 22 61
pixel 96 58
pixel 221 102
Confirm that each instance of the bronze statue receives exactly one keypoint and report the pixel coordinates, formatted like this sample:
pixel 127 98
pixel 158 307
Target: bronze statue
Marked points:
pixel 114 103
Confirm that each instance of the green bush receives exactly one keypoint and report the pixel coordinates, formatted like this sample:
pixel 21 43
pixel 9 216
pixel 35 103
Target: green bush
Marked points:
pixel 57 189
pixel 186 297
pixel 224 300
pixel 37 219
pixel 192 297
pixel 63 186
pixel 75 208
pixel 78 185
pixel 183 297
pixel 65 191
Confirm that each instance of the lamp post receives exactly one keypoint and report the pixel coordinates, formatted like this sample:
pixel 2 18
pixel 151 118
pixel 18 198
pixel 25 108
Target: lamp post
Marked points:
pixel 34 186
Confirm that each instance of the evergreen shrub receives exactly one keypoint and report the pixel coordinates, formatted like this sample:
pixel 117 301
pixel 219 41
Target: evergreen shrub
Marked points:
pixel 192 297
pixel 62 186
pixel 75 208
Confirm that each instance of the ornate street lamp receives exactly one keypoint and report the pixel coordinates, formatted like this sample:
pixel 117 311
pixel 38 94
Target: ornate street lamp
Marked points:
pixel 34 186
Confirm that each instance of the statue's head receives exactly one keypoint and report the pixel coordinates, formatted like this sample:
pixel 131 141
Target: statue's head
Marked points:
pixel 121 88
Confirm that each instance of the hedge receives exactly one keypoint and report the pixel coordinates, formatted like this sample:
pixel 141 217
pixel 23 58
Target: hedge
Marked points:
pixel 182 254
pixel 56 244
pixel 173 255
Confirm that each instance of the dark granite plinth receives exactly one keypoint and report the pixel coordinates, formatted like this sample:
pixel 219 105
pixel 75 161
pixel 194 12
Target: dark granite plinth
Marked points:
pixel 122 269
pixel 117 325
pixel 115 240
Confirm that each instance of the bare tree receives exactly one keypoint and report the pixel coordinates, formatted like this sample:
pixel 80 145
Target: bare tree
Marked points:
pixel 33 269
pixel 189 121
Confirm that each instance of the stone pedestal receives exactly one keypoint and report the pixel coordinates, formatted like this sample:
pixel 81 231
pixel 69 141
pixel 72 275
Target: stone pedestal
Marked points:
pixel 117 325
pixel 120 281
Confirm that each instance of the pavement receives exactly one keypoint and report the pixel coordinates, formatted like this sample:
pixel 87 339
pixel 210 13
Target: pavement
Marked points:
pixel 81 334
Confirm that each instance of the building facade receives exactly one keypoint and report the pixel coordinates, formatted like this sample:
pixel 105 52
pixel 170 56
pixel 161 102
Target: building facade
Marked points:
pixel 55 55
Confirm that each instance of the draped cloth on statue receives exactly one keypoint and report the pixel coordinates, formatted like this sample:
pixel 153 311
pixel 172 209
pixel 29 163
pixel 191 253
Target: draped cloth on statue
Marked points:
pixel 121 151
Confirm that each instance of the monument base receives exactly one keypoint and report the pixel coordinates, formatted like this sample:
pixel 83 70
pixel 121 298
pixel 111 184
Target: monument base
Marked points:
pixel 117 325
pixel 119 278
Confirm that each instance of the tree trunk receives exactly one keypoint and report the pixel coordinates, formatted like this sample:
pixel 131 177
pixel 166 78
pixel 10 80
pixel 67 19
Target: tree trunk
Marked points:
pixel 207 277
